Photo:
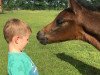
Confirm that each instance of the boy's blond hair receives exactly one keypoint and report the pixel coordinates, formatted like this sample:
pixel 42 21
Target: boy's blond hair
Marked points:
pixel 15 27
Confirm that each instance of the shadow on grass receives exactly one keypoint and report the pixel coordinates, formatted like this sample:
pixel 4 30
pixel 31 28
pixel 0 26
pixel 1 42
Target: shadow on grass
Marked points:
pixel 83 68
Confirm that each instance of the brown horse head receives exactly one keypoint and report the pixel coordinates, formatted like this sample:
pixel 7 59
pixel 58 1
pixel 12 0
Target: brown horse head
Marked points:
pixel 69 25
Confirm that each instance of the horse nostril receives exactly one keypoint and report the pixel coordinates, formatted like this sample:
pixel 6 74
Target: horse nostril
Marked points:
pixel 41 38
pixel 40 35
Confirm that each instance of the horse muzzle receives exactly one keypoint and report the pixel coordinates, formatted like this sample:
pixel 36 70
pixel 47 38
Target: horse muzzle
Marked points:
pixel 41 38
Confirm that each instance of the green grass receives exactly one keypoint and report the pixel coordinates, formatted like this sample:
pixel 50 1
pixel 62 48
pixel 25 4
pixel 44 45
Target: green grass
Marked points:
pixel 66 58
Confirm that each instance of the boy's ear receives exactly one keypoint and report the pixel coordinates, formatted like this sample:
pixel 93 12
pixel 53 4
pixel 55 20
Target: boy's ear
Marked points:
pixel 15 39
pixel 75 6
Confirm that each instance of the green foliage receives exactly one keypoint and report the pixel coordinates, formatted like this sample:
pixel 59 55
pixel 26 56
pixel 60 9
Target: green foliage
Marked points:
pixel 34 4
pixel 45 4
pixel 40 5
pixel 66 58
pixel 91 4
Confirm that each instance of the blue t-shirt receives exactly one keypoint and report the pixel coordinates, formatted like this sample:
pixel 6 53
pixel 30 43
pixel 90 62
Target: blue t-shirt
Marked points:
pixel 20 64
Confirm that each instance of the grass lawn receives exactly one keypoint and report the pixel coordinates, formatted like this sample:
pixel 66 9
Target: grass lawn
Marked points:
pixel 66 58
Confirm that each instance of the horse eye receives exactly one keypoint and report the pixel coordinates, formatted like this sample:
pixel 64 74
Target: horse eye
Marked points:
pixel 59 22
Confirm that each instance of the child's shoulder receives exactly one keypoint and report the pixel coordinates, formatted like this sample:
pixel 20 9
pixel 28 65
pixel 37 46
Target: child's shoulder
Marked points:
pixel 13 56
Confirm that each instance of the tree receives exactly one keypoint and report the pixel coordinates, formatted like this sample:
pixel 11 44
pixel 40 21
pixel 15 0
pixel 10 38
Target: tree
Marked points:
pixel 96 4
pixel 0 6
pixel 90 4
pixel 56 4
pixel 45 4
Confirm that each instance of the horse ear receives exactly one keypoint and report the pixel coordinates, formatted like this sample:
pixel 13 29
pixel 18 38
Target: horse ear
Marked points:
pixel 73 4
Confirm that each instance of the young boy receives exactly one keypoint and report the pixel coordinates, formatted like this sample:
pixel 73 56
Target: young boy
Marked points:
pixel 17 33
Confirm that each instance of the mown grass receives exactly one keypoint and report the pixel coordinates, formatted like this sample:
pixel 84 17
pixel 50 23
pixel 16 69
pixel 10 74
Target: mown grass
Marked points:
pixel 66 58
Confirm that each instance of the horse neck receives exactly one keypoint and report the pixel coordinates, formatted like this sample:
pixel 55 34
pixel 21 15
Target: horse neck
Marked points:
pixel 91 21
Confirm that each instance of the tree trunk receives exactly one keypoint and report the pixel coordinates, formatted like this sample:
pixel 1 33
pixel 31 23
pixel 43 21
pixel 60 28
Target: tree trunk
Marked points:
pixel 0 6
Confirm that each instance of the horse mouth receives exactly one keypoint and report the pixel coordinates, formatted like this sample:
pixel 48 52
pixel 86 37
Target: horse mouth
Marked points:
pixel 41 38
pixel 43 41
